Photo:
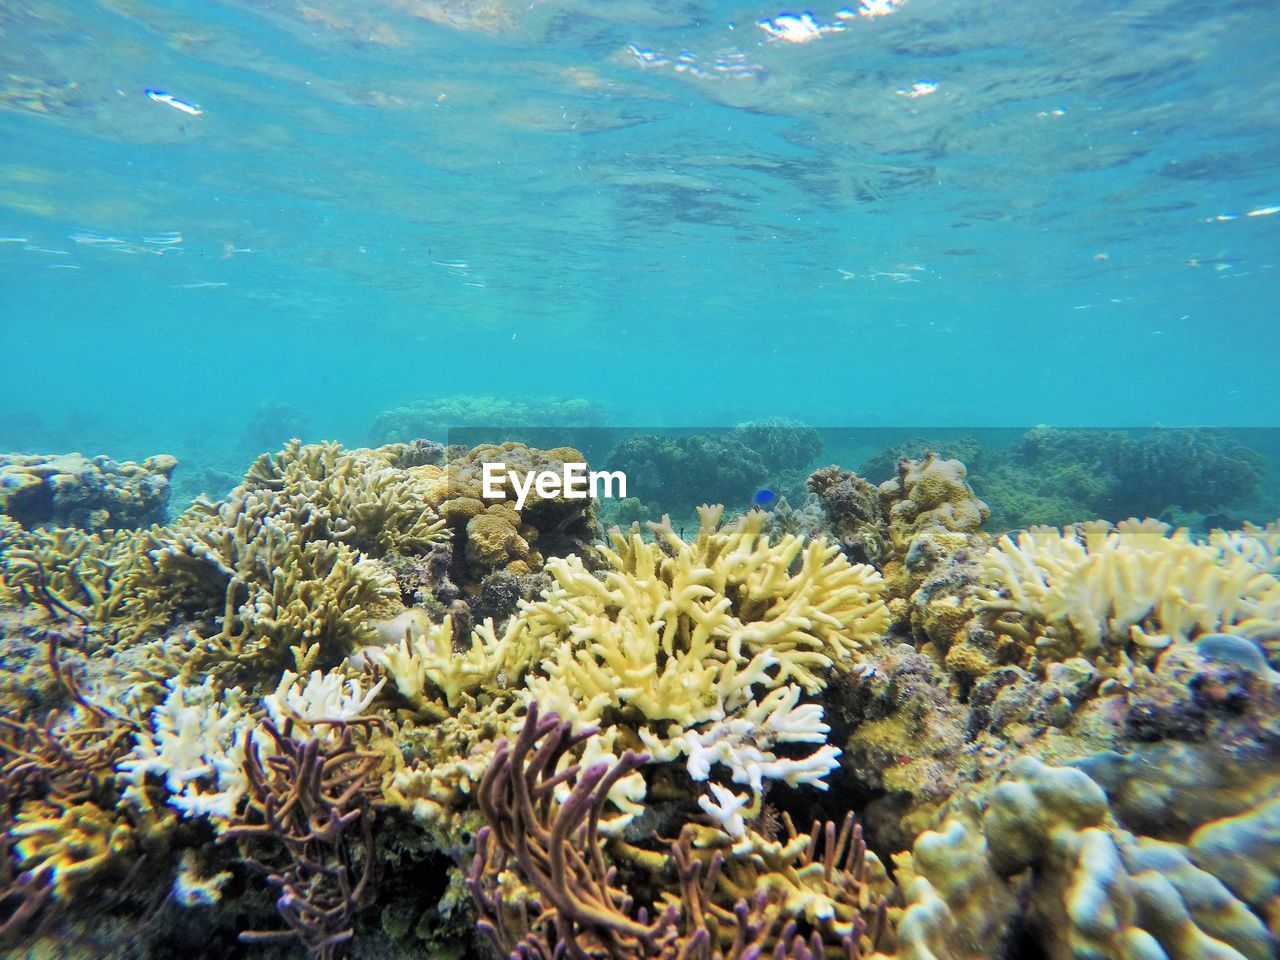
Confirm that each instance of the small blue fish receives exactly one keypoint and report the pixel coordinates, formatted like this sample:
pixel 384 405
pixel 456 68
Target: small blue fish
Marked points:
pixel 764 497
pixel 159 96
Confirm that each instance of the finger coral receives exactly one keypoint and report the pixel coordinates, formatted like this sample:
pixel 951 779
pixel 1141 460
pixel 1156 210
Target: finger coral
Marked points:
pixel 309 796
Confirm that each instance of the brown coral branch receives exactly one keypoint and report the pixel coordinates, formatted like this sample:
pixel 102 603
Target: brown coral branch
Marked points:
pixel 22 901
pixel 69 682
pixel 59 759
pixel 558 849
pixel 305 792
pixel 571 906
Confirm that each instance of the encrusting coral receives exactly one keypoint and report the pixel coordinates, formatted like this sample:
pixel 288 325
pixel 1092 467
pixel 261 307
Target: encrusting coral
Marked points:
pixel 923 530
pixel 492 533
pixel 1120 895
pixel 1125 821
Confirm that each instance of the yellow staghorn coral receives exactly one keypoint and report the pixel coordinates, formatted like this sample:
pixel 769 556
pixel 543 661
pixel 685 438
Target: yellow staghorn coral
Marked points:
pixel 67 569
pixel 366 498
pixel 677 631
pixel 698 650
pixel 426 664
pixel 675 638
pixel 74 844
pixel 288 565
pixel 722 600
pixel 271 591
pixel 1116 594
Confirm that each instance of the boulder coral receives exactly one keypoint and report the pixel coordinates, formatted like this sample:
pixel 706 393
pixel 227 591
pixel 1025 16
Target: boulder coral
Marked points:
pixel 95 493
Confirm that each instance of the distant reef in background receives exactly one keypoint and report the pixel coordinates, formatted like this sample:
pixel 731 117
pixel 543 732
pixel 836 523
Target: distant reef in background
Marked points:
pixel 1195 477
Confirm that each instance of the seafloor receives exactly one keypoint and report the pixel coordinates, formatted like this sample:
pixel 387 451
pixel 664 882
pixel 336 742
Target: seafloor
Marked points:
pixel 354 709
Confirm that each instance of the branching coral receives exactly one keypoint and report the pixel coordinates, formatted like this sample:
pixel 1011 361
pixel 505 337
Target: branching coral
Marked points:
pixel 199 738
pixel 729 658
pixel 1116 595
pixel 196 741
pixel 308 792
pixel 70 756
pixel 285 571
pixel 362 496
pixel 567 900
pixel 426 666
pixel 700 649
pixel 701 611
pixel 67 571
pixel 276 584
pixel 71 843
pixel 62 830
pixel 680 633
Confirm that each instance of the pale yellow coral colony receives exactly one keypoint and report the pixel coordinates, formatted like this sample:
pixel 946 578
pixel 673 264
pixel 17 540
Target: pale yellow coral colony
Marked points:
pixel 711 655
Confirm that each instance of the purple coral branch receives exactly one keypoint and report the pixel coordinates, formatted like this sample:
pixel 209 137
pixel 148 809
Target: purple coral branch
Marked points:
pixel 304 798
pixel 578 913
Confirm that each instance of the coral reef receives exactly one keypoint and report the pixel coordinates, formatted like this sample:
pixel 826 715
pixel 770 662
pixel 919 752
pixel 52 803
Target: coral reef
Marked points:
pixel 1085 821
pixel 272 423
pixel 356 709
pixel 1119 595
pixel 93 494
pixel 289 564
pixel 782 445
pixel 700 651
pixel 674 473
pixel 1057 477
pixel 684 471
pixel 530 420
pixel 923 529
pixel 491 535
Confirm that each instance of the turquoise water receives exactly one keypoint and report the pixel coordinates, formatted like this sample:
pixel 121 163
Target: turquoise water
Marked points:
pixel 951 213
